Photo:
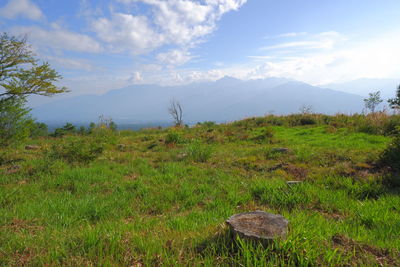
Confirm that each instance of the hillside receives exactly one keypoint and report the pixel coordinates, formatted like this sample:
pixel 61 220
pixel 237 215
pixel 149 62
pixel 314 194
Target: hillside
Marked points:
pixel 161 196
pixel 224 100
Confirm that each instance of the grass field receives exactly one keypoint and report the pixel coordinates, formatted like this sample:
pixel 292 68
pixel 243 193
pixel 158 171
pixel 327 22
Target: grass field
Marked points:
pixel 161 197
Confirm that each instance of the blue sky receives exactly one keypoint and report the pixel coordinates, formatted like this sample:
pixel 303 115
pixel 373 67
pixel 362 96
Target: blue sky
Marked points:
pixel 102 45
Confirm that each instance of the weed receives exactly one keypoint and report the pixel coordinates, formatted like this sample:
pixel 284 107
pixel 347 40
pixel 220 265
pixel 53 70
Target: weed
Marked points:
pixel 174 137
pixel 77 150
pixel 198 152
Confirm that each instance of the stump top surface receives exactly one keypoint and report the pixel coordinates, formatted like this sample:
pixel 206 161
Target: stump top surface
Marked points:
pixel 259 224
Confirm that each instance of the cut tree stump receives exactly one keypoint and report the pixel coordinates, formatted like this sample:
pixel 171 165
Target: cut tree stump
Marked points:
pixel 258 226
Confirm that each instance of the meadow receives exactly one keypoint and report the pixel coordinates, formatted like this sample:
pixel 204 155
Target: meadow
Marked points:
pixel 160 197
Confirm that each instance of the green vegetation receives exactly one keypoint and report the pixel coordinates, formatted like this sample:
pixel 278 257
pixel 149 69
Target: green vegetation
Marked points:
pixel 161 196
pixel 21 75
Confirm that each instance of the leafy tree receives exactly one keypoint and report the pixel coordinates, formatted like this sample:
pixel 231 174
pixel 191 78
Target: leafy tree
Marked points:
pixel 21 75
pixel 373 101
pixel 68 128
pixel 113 126
pixel 15 122
pixel 394 103
pixel 39 129
pixel 82 130
pixel 91 128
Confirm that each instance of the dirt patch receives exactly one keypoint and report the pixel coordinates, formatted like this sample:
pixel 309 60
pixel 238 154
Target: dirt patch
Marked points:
pixel 295 171
pixel 18 226
pixel 382 256
pixel 23 258
pixel 131 177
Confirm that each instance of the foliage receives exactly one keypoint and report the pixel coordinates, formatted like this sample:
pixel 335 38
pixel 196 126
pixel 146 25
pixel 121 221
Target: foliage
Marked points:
pixel 391 156
pixel 15 122
pixel 21 73
pixel 261 135
pixel 174 137
pixel 394 103
pixel 68 128
pixel 198 152
pixel 133 206
pixel 373 101
pixel 105 122
pixel 75 150
pixel 39 129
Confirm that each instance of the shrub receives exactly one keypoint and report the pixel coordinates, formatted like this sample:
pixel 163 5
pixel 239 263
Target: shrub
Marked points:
pixel 77 150
pixel 173 138
pixel 207 124
pixel 39 130
pixel 391 155
pixel 390 125
pixel 105 136
pixel 68 128
pixel 15 122
pixel 198 152
pixel 262 134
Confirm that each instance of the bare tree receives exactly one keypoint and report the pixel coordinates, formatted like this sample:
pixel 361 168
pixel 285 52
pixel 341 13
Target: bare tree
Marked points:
pixel 306 109
pixel 175 110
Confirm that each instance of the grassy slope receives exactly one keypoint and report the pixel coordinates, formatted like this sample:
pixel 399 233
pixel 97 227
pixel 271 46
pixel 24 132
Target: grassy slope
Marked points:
pixel 148 203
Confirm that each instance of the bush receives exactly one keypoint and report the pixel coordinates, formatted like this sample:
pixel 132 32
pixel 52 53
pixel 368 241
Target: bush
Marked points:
pixel 105 136
pixel 173 138
pixel 68 128
pixel 39 130
pixel 391 155
pixel 262 134
pixel 77 150
pixel 198 152
pixel 15 122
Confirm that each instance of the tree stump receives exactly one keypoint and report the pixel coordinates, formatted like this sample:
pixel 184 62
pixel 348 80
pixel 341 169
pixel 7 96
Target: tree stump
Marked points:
pixel 258 226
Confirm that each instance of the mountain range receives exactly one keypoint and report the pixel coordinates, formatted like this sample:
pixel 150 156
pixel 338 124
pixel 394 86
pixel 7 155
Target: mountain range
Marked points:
pixel 226 99
pixel 363 86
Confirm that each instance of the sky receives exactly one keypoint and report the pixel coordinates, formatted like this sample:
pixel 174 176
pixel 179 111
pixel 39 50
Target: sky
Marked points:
pixel 100 45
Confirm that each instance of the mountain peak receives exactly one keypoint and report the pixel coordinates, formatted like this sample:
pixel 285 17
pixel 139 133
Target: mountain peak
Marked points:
pixel 228 79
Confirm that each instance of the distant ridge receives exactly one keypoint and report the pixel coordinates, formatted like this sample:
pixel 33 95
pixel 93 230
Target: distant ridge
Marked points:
pixel 363 86
pixel 223 100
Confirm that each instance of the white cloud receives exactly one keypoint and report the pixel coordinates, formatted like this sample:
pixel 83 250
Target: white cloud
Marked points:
pixel 23 8
pixel 374 58
pixel 136 77
pixel 128 32
pixel 291 34
pixel 343 61
pixel 59 39
pixel 181 23
pixel 174 57
pixel 324 40
pixel 70 63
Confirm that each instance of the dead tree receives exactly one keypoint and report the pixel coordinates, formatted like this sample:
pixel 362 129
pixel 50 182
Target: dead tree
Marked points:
pixel 175 110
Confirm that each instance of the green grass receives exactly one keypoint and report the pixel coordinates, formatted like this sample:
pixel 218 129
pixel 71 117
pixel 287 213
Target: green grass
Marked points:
pixel 147 200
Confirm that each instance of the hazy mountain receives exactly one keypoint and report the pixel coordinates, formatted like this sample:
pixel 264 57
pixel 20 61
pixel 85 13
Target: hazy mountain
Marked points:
pixel 364 86
pixel 222 100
